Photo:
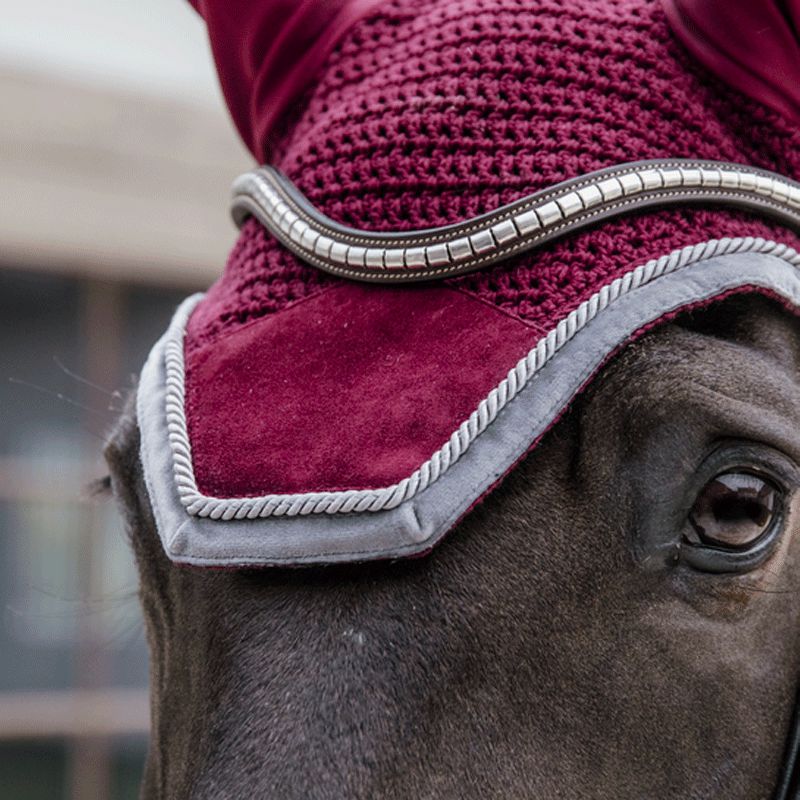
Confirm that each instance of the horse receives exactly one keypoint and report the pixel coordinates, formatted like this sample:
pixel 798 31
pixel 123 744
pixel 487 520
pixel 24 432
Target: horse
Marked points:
pixel 609 608
pixel 539 652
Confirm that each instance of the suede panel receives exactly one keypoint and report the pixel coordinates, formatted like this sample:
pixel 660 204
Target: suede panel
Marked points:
pixel 353 388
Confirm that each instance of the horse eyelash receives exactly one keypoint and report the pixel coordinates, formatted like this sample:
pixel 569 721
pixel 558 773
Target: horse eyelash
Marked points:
pixel 99 488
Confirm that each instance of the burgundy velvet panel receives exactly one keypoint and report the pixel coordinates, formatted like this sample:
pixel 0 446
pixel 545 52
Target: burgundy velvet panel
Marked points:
pixel 352 388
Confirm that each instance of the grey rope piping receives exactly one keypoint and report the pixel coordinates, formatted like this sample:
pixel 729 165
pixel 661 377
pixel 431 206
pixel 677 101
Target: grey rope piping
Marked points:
pixel 479 420
pixel 399 257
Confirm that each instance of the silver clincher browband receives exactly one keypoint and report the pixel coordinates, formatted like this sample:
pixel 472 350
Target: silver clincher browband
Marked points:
pixel 409 256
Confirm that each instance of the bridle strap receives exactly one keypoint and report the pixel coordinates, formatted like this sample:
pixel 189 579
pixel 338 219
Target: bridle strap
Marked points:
pixel 409 256
pixel 789 783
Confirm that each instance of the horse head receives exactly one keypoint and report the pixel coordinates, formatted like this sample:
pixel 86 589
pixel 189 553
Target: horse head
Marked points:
pixel 477 472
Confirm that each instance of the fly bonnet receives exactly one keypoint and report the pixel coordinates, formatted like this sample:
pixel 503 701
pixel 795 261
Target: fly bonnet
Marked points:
pixel 469 207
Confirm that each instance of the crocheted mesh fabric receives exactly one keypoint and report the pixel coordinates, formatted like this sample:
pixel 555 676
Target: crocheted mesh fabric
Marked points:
pixel 548 286
pixel 261 277
pixel 431 112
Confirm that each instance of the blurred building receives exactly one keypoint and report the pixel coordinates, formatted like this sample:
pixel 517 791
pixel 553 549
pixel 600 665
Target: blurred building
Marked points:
pixel 116 158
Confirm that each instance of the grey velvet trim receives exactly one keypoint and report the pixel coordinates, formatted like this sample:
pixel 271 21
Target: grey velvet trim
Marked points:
pixel 419 523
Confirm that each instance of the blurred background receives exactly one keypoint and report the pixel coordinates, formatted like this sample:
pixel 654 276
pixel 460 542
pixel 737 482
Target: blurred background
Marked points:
pixel 116 157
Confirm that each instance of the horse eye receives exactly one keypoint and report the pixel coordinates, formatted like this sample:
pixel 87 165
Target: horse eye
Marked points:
pixel 734 510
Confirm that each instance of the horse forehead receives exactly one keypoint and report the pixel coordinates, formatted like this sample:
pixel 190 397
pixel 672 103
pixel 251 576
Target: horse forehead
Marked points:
pixel 745 348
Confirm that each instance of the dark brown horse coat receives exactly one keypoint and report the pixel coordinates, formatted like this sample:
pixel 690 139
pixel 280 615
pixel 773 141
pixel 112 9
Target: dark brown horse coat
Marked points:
pixel 541 651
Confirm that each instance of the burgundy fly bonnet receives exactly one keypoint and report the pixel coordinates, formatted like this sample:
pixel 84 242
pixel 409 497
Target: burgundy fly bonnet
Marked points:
pixel 470 206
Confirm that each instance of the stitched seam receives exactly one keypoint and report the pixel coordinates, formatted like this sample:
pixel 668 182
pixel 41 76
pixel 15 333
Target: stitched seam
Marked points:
pixel 210 343
pixel 512 249
pixel 489 304
pixel 514 208
pixel 360 500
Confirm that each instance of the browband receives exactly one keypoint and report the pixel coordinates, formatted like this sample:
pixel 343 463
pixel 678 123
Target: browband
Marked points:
pixel 408 256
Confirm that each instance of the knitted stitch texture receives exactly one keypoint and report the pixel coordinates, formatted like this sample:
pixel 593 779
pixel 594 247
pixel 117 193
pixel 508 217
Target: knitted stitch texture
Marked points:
pixel 431 112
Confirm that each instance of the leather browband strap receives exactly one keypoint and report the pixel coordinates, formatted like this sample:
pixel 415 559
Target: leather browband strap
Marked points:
pixel 410 256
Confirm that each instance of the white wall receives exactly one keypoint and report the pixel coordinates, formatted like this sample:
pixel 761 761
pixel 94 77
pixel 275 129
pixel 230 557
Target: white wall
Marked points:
pixel 116 150
pixel 155 46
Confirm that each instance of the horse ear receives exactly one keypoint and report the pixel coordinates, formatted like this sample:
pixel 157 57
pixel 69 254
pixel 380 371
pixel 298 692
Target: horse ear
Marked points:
pixel 268 51
pixel 752 46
